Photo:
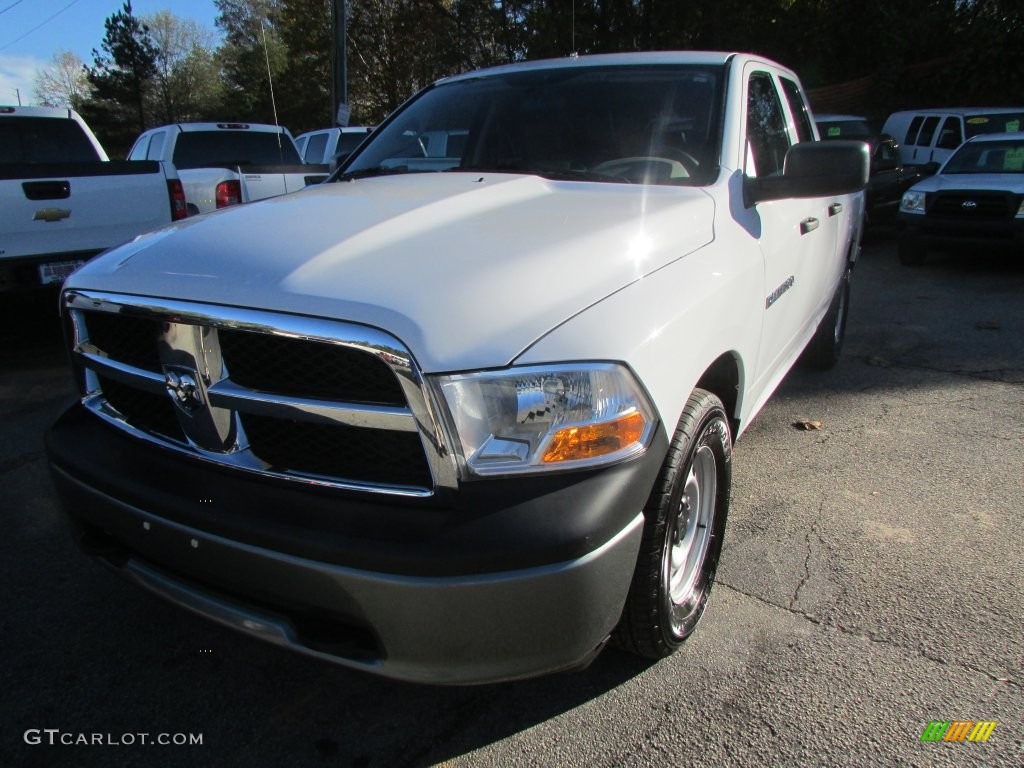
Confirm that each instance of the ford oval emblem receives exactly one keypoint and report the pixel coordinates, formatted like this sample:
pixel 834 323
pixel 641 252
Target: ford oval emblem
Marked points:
pixel 969 205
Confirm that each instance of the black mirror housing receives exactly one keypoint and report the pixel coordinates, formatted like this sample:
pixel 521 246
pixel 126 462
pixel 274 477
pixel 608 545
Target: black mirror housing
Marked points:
pixel 814 169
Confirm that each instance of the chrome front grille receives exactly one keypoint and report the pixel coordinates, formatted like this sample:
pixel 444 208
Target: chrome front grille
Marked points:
pixel 287 396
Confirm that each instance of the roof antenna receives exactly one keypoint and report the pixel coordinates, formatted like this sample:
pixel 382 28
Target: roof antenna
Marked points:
pixel 270 81
pixel 575 54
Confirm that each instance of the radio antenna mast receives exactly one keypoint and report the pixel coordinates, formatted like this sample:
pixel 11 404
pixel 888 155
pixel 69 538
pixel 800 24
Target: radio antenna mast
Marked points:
pixel 270 79
pixel 574 53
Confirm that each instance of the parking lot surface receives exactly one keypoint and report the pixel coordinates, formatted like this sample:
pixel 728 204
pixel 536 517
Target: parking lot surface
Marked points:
pixel 871 583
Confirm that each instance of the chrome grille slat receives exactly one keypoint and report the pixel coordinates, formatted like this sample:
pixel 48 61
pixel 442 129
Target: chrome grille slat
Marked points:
pixel 227 394
pixel 139 378
pixel 329 427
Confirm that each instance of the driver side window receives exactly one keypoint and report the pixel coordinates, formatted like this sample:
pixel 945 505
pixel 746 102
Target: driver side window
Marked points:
pixel 767 138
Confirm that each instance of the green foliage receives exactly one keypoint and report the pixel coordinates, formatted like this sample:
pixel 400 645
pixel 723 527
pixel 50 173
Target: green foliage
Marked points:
pixel 305 31
pixel 122 74
pixel 912 53
pixel 252 46
pixel 187 84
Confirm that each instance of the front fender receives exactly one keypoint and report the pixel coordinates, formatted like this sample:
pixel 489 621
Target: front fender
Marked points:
pixel 672 325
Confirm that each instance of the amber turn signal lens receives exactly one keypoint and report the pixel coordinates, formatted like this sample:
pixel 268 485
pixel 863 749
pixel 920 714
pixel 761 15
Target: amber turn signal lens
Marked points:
pixel 593 440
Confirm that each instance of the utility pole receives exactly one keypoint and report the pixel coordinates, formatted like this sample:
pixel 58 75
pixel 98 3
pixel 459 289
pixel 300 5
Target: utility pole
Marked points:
pixel 339 65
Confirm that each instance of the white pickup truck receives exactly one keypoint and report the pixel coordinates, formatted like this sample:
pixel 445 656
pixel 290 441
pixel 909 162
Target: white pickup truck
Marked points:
pixel 63 201
pixel 224 164
pixel 331 146
pixel 466 411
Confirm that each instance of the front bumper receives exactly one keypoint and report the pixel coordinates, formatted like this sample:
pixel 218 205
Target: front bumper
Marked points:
pixel 941 232
pixel 504 579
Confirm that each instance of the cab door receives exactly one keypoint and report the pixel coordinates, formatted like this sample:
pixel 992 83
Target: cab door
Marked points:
pixel 793 234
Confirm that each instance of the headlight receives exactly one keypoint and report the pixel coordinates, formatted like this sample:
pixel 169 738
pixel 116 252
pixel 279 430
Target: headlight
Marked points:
pixel 547 417
pixel 912 202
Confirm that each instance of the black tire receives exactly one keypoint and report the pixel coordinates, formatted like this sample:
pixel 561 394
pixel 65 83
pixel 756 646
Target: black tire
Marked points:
pixel 690 501
pixel 911 252
pixel 826 345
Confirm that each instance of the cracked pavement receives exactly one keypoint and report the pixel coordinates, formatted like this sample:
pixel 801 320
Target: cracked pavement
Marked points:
pixel 871 581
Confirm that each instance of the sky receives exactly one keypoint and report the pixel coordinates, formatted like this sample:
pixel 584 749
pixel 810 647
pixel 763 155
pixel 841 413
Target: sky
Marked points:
pixel 32 31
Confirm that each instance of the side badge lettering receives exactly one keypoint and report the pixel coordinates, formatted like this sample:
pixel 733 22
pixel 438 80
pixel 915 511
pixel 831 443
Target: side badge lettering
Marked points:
pixel 777 293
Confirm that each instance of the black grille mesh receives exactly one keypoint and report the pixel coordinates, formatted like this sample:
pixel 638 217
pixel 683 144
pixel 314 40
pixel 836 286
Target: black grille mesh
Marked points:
pixel 126 339
pixel 143 410
pixel 352 453
pixel 302 368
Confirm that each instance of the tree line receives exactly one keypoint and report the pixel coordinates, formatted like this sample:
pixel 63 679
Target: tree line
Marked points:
pixel 160 68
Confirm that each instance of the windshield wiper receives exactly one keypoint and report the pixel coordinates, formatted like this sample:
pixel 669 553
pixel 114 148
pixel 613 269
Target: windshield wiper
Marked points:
pixel 369 173
pixel 564 174
pixel 571 175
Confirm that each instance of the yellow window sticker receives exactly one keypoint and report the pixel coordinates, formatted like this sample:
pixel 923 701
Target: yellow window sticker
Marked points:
pixel 977 120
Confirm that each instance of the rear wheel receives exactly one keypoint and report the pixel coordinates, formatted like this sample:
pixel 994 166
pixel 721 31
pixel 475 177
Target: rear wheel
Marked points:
pixel 826 345
pixel 682 538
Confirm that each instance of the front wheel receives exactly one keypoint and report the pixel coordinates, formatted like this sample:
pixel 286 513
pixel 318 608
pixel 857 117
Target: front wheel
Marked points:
pixel 682 538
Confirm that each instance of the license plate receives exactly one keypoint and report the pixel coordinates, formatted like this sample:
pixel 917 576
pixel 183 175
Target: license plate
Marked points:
pixel 58 271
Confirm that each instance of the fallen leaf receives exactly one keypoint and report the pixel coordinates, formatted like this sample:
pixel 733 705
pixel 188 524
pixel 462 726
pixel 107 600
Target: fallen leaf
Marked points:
pixel 807 425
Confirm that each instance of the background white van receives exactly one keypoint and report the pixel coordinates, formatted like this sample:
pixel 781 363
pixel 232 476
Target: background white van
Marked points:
pixel 931 135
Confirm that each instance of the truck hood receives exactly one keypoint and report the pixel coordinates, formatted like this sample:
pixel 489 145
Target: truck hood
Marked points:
pixel 989 182
pixel 468 270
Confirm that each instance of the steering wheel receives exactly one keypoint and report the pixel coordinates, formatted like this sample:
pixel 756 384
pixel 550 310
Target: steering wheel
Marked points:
pixel 689 162
pixel 644 169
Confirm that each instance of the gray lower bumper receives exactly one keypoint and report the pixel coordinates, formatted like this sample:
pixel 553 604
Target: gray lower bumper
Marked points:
pixel 451 630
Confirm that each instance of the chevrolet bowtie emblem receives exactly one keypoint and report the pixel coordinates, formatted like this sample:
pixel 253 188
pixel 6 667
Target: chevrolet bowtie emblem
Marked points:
pixel 51 214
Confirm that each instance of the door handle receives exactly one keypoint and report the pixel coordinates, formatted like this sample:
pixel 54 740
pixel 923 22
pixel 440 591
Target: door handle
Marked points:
pixel 808 225
pixel 835 209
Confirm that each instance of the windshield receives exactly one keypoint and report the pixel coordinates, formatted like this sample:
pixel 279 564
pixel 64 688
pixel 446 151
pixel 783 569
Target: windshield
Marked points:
pixel 639 124
pixel 203 149
pixel 1005 122
pixel 988 157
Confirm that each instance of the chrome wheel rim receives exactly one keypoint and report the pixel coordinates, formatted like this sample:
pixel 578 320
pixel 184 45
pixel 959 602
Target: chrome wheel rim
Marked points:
pixel 691 533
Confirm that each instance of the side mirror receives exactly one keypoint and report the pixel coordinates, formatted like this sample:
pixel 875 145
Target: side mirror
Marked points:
pixel 929 169
pixel 814 169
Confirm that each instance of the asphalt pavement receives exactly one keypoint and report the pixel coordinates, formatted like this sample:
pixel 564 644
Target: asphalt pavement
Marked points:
pixel 871 583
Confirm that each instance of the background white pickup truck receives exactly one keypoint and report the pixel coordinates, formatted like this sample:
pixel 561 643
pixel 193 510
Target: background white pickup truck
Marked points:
pixel 467 411
pixel 330 146
pixel 62 201
pixel 222 164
